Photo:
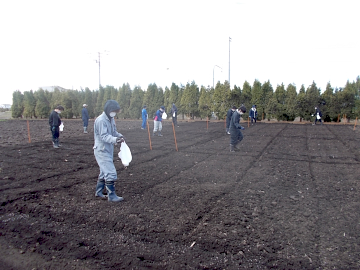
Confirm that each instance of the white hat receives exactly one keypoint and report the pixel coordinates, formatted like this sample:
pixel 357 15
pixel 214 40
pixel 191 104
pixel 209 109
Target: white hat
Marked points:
pixel 84 105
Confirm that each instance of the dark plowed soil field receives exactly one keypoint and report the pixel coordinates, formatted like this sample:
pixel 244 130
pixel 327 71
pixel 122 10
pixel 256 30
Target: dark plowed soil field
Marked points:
pixel 289 199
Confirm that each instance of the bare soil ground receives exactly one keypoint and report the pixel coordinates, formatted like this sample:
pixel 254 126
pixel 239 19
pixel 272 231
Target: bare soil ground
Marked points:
pixel 288 200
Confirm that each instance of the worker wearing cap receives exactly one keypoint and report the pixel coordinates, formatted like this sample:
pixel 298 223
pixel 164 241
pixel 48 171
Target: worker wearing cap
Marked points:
pixel 235 128
pixel 253 114
pixel 158 120
pixel 85 117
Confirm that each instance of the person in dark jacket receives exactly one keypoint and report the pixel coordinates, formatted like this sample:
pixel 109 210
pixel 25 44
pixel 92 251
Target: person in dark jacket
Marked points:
pixel 235 127
pixel 55 122
pixel 253 114
pixel 174 112
pixel 144 116
pixel 158 120
pixel 106 136
pixel 85 117
pixel 318 115
pixel 228 118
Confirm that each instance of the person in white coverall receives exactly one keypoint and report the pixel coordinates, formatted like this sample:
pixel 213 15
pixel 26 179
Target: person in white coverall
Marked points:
pixel 106 136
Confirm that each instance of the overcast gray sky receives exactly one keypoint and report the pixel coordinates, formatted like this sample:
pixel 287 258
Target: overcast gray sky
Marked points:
pixel 49 42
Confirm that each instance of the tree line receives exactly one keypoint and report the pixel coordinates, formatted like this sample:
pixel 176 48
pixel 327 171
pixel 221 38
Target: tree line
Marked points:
pixel 283 103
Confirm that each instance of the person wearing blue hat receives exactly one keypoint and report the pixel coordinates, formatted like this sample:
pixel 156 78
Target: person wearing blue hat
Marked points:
pixel 158 120
pixel 173 113
pixel 144 116
pixel 253 114
pixel 85 117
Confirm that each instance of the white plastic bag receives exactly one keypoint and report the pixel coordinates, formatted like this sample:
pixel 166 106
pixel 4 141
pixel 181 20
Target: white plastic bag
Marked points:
pixel 318 116
pixel 164 115
pixel 125 154
pixel 61 127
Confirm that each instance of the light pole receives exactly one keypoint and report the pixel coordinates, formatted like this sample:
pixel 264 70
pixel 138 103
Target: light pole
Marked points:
pixel 98 61
pixel 213 72
pixel 229 61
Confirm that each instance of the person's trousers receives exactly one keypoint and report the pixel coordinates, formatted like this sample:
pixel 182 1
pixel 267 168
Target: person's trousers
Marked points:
pixel 157 126
pixel 55 133
pixel 106 164
pixel 143 125
pixel 174 118
pixel 235 136
pixel 86 122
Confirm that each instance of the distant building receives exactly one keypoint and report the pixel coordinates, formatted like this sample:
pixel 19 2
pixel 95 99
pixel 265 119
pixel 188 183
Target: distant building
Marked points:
pixel 52 88
pixel 5 106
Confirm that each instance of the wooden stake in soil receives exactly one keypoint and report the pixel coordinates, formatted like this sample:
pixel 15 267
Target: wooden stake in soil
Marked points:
pixel 338 118
pixel 174 136
pixel 355 123
pixel 207 122
pixel 249 121
pixel 147 123
pixel 225 121
pixel 28 130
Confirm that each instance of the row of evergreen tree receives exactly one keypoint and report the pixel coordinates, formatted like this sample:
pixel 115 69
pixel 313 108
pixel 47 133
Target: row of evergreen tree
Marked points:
pixel 285 103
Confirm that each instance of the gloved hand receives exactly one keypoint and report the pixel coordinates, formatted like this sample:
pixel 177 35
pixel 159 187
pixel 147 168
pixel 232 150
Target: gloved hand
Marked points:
pixel 242 128
pixel 120 139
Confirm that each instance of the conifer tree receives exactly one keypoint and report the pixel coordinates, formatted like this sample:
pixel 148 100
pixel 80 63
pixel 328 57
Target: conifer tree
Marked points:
pixel 267 94
pixel 17 107
pixel 235 97
pixel 273 108
pixel 136 103
pixel 124 96
pixel 205 102
pixel 99 107
pixel 42 108
pixel 221 99
pixel 280 96
pixel 189 99
pixel 56 99
pixel 167 102
pixel 29 104
pixel 327 109
pixel 301 104
pixel 256 94
pixel 290 102
pixel 150 100
pixel 312 97
pixel 246 95
pixel 174 94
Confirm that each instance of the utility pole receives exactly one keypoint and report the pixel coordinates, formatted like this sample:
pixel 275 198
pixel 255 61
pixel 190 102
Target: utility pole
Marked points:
pixel 213 73
pixel 99 71
pixel 98 61
pixel 229 62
